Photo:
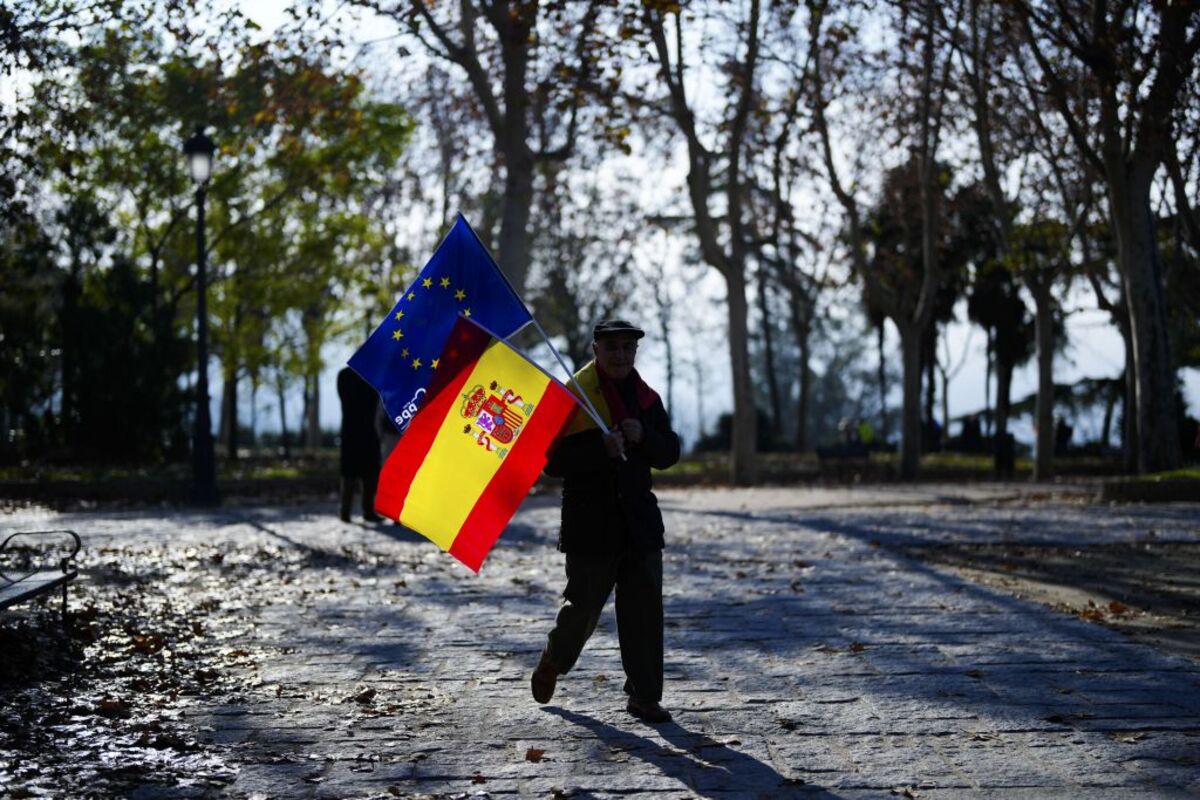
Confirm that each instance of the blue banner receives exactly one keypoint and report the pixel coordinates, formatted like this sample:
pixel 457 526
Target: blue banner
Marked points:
pixel 401 357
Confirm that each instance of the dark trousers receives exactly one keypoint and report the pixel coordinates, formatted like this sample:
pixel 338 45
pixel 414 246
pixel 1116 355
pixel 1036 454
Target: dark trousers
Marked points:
pixel 348 487
pixel 637 577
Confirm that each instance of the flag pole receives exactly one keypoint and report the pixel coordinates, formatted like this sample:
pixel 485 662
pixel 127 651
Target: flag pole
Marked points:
pixel 591 409
pixel 582 394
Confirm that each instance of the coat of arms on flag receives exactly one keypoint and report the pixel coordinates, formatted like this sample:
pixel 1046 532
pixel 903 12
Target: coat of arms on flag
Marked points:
pixel 497 414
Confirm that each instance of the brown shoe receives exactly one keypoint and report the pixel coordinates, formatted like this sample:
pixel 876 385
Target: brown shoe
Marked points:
pixel 649 711
pixel 545 676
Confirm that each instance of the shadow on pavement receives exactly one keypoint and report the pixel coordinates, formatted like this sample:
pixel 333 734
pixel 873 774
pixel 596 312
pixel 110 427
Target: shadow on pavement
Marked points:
pixel 706 766
pixel 1154 586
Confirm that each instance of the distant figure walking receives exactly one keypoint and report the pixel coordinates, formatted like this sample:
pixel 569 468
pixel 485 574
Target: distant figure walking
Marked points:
pixel 1062 437
pixel 359 456
pixel 866 433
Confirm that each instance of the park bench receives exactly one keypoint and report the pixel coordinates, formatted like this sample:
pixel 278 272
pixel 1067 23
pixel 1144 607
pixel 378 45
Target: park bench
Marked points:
pixel 16 588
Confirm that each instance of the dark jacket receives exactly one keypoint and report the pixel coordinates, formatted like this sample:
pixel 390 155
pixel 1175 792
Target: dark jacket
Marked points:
pixel 607 503
pixel 359 451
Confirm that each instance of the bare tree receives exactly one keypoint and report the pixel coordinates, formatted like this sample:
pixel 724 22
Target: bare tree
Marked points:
pixel 718 177
pixel 1135 58
pixel 911 312
pixel 530 65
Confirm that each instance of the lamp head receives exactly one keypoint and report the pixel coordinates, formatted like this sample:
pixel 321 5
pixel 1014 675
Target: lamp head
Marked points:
pixel 199 150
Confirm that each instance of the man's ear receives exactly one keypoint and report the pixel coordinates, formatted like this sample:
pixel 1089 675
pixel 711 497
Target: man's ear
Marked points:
pixel 595 348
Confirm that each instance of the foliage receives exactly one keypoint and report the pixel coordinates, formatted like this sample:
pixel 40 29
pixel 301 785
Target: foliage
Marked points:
pixel 28 335
pixel 130 404
pixel 291 244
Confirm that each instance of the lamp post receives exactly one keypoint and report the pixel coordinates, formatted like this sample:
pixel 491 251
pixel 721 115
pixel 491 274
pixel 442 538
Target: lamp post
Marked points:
pixel 199 150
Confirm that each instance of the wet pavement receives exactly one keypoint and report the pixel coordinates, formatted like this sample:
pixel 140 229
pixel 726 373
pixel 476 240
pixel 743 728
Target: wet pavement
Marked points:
pixel 279 653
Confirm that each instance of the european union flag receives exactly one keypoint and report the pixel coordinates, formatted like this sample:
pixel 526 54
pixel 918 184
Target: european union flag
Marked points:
pixel 401 356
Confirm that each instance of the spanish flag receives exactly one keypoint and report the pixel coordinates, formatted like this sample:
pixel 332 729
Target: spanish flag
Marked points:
pixel 475 447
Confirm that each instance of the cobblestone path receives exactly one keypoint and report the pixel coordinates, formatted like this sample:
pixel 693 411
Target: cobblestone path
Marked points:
pixel 806 657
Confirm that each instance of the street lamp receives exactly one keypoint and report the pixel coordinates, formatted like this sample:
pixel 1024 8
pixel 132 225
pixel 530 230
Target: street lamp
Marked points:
pixel 199 150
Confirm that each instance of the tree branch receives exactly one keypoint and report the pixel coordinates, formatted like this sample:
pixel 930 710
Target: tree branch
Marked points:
pixel 1058 91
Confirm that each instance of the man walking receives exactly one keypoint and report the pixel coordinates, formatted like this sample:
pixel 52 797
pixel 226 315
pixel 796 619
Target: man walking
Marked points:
pixel 612 530
pixel 358 456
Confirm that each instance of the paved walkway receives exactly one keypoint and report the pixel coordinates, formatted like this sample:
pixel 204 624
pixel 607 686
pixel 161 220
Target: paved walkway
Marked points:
pixel 806 657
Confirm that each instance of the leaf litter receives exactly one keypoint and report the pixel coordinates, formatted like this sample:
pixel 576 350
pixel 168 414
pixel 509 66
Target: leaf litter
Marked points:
pixel 157 636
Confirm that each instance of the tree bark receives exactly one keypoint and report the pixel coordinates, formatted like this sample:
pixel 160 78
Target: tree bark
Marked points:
pixel 743 464
pixel 945 402
pixel 1129 427
pixel 281 393
pixel 512 141
pixel 910 426
pixel 670 356
pixel 1043 466
pixel 1003 453
pixel 987 387
pixel 1110 404
pixel 514 243
pixel 801 329
pixel 764 317
pixel 253 411
pixel 1154 375
pixel 68 326
pixel 228 428
pixel 929 368
pixel 312 411
pixel 883 388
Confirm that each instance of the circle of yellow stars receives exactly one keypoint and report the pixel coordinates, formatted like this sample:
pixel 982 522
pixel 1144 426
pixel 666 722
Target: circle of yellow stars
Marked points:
pixel 444 282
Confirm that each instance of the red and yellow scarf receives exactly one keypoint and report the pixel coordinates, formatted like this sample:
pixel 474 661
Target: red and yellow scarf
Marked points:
pixel 606 397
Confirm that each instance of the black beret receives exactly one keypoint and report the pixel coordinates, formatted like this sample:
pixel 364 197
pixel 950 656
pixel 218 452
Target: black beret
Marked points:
pixel 611 327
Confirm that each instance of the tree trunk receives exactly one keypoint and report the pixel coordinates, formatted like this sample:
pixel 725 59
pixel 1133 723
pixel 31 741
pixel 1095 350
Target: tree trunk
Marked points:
pixel 253 410
pixel 1004 454
pixel 743 466
pixel 663 303
pixel 228 428
pixel 670 355
pixel 987 387
pixel 1129 428
pixel 801 327
pixel 1043 466
pixel 281 393
pixel 68 343
pixel 1154 376
pixel 945 403
pixel 764 318
pixel 910 426
pixel 885 433
pixel 929 369
pixel 312 411
pixel 1110 404
pixel 514 244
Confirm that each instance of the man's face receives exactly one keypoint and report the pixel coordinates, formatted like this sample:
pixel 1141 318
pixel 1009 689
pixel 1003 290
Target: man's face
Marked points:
pixel 615 354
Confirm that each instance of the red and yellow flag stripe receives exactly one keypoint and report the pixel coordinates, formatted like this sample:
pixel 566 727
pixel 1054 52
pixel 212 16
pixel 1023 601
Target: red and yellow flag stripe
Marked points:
pixel 447 478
